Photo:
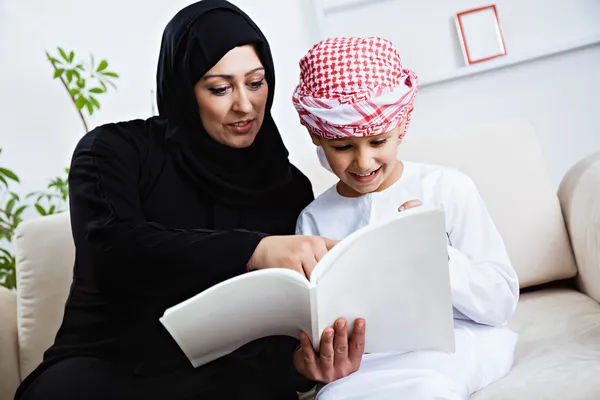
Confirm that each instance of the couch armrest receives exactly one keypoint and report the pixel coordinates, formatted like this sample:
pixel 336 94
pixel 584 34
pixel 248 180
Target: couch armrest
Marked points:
pixel 9 345
pixel 579 195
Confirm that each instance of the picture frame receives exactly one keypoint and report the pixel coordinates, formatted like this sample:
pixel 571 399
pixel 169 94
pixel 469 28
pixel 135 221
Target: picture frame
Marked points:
pixel 480 34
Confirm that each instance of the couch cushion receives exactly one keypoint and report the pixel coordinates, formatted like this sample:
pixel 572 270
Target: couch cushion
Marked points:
pixel 579 195
pixel 45 257
pixel 558 353
pixel 506 162
pixel 9 348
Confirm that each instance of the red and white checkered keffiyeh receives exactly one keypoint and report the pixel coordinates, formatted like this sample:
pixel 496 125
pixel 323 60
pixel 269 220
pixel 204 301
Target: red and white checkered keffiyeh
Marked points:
pixel 352 86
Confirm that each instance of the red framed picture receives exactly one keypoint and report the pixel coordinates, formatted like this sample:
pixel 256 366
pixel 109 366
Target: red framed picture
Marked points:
pixel 480 34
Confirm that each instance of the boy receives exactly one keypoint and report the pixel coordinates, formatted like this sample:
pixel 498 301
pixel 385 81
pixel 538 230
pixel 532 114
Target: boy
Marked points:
pixel 355 100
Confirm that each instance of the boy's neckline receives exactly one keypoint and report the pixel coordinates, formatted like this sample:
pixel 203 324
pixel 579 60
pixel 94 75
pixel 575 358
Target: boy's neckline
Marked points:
pixel 402 169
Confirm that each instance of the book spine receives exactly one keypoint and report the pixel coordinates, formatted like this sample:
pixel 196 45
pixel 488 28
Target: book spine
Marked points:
pixel 315 335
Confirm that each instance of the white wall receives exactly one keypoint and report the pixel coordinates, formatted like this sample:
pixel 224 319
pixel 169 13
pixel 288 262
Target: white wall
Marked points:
pixel 425 31
pixel 40 126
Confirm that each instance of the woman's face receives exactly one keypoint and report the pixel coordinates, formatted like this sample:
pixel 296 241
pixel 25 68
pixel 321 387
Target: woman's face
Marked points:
pixel 232 98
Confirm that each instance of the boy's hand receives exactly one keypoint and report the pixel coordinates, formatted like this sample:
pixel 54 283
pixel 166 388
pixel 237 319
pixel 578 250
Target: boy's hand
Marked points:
pixel 337 357
pixel 410 204
pixel 300 253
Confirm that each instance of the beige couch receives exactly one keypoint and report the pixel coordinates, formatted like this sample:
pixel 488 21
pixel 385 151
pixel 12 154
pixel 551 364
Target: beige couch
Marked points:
pixel 558 262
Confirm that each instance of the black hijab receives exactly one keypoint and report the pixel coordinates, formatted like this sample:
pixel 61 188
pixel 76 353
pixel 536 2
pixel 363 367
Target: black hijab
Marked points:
pixel 193 42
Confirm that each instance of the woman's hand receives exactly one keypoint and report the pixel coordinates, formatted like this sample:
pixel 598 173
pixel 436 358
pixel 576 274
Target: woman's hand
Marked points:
pixel 300 253
pixel 410 204
pixel 337 356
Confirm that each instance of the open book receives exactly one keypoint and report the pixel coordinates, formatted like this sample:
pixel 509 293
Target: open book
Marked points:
pixel 393 274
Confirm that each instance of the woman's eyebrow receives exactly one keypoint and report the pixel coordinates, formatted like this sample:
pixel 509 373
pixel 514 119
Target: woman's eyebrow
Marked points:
pixel 225 76
pixel 254 70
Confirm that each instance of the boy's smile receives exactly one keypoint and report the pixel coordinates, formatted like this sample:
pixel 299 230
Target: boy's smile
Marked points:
pixel 363 164
pixel 365 177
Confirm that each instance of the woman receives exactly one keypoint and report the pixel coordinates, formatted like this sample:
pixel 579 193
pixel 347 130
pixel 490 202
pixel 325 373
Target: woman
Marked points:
pixel 165 208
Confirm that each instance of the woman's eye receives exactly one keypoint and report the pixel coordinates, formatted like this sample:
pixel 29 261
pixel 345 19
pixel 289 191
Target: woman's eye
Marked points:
pixel 220 91
pixel 257 84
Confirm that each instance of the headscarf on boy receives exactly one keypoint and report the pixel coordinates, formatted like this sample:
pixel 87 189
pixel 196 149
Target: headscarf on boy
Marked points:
pixel 353 86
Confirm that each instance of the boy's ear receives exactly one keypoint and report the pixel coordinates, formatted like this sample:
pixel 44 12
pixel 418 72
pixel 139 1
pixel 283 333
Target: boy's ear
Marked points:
pixel 315 139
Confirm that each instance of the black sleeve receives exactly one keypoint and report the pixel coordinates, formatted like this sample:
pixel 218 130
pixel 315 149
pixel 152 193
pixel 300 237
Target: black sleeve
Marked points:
pixel 124 250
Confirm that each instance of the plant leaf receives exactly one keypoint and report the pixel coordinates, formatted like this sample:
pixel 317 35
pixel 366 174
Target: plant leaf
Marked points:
pixel 74 92
pixel 3 181
pixel 96 90
pixel 90 107
pixel 80 67
pixel 10 205
pixel 102 66
pixel 70 75
pixel 111 74
pixel 58 72
pixel 63 54
pixel 11 280
pixel 111 84
pixel 80 102
pixel 9 174
pixel 40 210
pixel 77 74
pixel 95 103
pixel 55 60
pixel 104 86
pixel 71 56
pixel 52 209
pixel 20 210
pixel 81 83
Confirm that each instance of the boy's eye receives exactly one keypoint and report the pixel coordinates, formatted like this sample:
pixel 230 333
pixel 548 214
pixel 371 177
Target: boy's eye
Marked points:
pixel 257 84
pixel 219 91
pixel 342 148
pixel 379 142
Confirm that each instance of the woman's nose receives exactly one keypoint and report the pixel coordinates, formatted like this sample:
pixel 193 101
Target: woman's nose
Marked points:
pixel 241 103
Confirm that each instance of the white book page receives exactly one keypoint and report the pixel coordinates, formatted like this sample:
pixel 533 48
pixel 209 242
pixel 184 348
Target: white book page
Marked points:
pixel 225 317
pixel 394 275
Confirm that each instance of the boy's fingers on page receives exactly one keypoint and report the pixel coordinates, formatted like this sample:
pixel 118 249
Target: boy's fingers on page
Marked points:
pixel 308 365
pixel 326 353
pixel 308 354
pixel 410 204
pixel 340 342
pixel 357 342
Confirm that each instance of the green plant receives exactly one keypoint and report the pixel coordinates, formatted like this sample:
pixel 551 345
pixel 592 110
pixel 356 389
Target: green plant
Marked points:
pixel 83 82
pixel 10 218
pixel 54 199
pixel 51 201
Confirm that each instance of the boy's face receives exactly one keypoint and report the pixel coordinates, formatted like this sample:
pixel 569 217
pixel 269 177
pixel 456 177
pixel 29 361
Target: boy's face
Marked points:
pixel 363 164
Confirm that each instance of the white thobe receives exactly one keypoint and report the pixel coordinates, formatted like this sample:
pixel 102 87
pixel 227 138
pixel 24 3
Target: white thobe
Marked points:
pixel 483 283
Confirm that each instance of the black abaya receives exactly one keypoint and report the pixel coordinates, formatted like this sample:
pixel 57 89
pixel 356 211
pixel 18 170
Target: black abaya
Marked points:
pixel 159 213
